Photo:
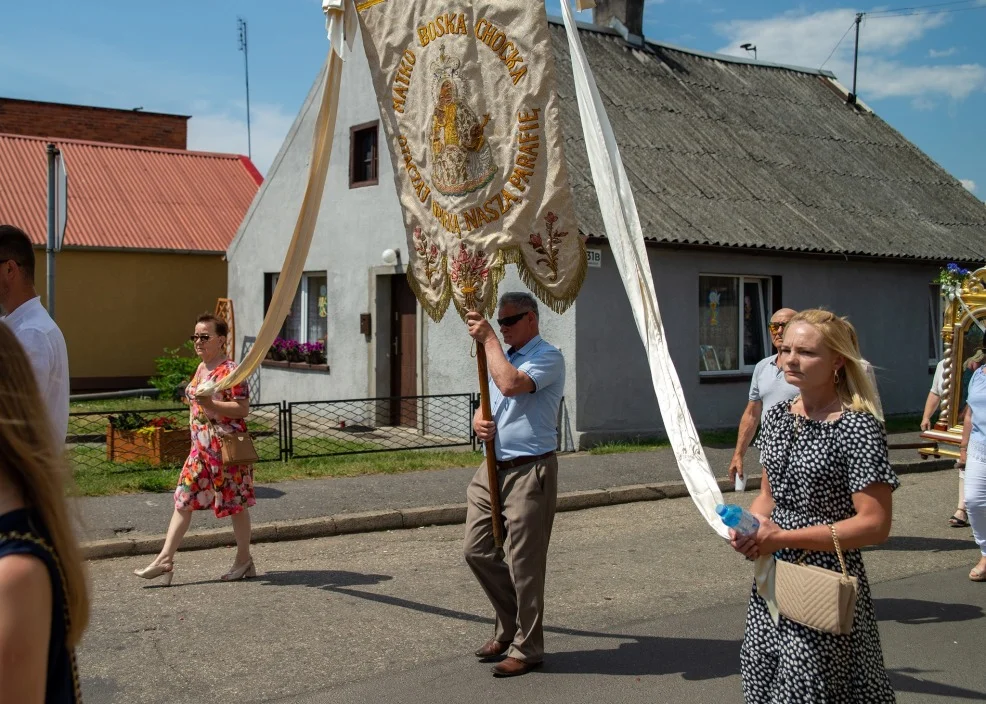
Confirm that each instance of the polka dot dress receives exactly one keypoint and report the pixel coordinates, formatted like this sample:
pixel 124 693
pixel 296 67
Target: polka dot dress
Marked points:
pixel 814 468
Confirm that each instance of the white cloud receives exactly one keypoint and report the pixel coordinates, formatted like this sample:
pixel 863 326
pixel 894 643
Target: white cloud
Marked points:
pixel 969 184
pixel 808 40
pixel 943 53
pixel 225 130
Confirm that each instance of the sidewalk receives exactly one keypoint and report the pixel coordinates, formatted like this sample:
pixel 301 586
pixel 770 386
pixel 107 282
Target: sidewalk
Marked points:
pixel 135 523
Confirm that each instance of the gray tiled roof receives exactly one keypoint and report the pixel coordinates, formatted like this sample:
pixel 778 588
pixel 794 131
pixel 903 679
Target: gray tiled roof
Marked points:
pixel 731 153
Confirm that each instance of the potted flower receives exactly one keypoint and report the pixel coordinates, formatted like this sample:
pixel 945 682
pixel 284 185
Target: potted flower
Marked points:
pixel 951 279
pixel 292 351
pixel 132 437
pixel 314 352
pixel 276 351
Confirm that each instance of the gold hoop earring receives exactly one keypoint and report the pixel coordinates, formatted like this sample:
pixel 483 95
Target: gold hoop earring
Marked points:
pixel 835 375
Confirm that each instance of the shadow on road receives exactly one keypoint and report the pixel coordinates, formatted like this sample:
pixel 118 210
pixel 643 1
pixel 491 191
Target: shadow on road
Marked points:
pixel 693 658
pixel 322 579
pixel 267 492
pixel 917 611
pixel 332 580
pixel 912 543
pixel 902 681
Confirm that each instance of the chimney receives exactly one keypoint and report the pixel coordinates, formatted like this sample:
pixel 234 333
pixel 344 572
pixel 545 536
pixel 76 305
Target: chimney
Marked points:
pixel 630 13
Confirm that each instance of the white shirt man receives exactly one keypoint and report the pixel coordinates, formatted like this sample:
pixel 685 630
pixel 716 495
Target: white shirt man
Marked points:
pixel 45 347
pixel 35 330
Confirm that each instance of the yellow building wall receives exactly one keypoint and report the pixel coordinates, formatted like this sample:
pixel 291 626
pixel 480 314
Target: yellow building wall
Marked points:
pixel 119 310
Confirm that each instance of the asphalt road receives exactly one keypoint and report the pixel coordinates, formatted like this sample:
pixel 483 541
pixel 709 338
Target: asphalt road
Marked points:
pixel 645 604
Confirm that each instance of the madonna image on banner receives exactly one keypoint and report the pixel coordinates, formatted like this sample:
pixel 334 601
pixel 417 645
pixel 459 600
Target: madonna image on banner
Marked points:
pixel 467 101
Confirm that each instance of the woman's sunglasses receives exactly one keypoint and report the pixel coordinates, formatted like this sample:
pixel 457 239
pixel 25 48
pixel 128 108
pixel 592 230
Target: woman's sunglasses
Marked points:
pixel 510 319
pixel 196 338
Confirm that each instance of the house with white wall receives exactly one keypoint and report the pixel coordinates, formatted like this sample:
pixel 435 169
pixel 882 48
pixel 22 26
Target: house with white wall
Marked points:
pixel 758 186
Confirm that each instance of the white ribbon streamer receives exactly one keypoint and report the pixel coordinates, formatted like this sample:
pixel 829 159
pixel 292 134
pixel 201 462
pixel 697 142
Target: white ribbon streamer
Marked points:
pixel 304 229
pixel 626 239
pixel 341 25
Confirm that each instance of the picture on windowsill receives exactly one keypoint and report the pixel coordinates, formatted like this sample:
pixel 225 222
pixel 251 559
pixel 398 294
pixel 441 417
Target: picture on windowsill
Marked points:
pixel 709 358
pixel 714 298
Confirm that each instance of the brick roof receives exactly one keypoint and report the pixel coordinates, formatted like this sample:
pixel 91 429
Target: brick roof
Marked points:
pixel 125 197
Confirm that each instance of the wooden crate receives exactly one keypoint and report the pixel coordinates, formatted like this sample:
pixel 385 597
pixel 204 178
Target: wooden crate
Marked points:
pixel 154 447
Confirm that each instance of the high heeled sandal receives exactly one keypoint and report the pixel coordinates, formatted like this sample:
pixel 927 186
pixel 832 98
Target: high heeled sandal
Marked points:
pixel 238 573
pixel 956 522
pixel 153 571
pixel 977 575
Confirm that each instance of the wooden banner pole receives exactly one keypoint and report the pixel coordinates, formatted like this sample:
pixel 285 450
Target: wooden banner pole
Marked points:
pixel 487 414
pixel 486 411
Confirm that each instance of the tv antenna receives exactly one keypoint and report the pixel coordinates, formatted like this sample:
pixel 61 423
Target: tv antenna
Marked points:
pixel 242 26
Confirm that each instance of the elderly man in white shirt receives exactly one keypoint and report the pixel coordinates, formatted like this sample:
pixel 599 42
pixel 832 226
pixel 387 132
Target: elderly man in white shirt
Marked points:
pixel 33 327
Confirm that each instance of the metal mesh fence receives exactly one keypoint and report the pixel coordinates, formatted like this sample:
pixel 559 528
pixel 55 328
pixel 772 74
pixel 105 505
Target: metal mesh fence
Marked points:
pixel 113 441
pixel 322 428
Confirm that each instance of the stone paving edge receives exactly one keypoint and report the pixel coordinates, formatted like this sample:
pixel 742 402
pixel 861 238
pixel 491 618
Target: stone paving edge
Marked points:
pixel 419 517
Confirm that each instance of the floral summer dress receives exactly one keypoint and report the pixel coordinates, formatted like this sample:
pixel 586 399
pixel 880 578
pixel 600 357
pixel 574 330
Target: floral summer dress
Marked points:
pixel 814 468
pixel 204 482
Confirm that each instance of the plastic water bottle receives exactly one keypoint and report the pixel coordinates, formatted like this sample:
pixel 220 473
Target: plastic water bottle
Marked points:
pixel 738 518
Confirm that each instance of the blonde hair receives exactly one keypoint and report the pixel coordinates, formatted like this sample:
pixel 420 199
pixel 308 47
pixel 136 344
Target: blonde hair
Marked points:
pixel 30 461
pixel 854 387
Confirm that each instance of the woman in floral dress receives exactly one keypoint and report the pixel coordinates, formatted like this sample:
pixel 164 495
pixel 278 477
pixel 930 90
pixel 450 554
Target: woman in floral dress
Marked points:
pixel 825 463
pixel 204 483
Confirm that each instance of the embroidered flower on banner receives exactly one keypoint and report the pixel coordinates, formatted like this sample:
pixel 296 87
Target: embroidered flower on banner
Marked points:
pixel 469 271
pixel 549 245
pixel 428 253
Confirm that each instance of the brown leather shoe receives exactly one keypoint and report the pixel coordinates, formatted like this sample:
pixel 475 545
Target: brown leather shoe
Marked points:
pixel 512 667
pixel 492 648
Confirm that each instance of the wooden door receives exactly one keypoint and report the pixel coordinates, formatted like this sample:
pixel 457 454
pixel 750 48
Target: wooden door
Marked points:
pixel 404 352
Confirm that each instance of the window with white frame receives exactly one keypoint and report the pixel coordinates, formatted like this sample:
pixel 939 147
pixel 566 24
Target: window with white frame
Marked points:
pixel 732 328
pixel 936 348
pixel 307 320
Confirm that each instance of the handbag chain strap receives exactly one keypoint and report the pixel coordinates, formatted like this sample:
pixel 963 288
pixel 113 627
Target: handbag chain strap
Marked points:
pixel 838 551
pixel 33 539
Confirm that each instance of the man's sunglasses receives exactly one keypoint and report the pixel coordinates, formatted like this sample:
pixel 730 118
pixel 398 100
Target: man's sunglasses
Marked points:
pixel 776 327
pixel 203 338
pixel 511 319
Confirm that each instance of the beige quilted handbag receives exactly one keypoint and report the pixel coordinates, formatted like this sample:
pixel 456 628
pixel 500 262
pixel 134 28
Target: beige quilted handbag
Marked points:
pixel 816 597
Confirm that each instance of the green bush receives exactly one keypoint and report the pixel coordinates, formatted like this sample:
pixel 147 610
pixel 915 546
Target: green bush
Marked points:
pixel 175 370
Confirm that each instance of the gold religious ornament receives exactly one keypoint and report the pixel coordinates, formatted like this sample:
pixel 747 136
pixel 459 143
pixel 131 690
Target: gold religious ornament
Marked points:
pixel 462 158
pixel 963 337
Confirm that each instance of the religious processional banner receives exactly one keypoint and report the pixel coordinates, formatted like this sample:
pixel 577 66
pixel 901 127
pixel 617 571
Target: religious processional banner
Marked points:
pixel 467 99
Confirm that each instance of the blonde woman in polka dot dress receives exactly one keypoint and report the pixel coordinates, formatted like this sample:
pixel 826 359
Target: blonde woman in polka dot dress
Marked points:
pixel 825 463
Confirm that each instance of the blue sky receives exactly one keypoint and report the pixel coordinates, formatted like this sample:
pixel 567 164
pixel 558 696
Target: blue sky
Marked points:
pixel 923 73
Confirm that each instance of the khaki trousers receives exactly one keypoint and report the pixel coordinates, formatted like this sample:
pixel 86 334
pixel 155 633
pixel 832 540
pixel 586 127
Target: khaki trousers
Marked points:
pixel 514 581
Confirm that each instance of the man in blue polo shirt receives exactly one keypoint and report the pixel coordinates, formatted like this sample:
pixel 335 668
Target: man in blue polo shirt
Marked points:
pixel 527 385
pixel 767 388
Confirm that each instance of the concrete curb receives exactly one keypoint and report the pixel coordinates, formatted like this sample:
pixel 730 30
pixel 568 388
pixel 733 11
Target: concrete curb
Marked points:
pixel 419 517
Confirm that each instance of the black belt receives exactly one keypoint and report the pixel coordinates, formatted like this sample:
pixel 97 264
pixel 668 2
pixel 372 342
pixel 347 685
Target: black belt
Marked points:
pixel 520 461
